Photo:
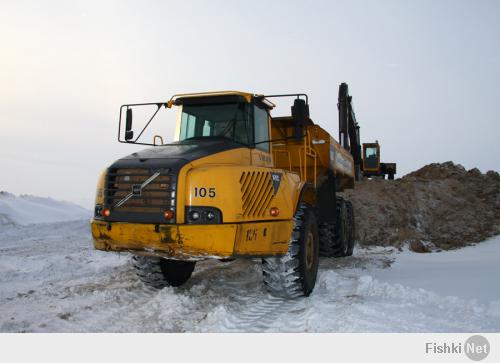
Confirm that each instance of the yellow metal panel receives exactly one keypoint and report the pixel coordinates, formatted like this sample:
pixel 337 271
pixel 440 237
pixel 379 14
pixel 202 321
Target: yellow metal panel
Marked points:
pixel 222 171
pixel 261 158
pixel 246 95
pixel 266 238
pixel 177 241
pixel 194 241
pixel 224 189
pixel 342 161
pixel 225 158
pixel 223 181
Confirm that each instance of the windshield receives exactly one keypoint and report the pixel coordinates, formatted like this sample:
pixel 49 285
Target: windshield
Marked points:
pixel 227 120
pixel 371 157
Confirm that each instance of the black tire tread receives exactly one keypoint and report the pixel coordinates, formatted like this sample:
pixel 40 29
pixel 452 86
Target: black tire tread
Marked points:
pixel 352 228
pixel 331 242
pixel 328 246
pixel 148 270
pixel 160 273
pixel 282 275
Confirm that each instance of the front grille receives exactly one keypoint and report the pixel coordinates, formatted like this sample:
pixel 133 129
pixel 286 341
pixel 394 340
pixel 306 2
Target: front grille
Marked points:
pixel 256 193
pixel 150 200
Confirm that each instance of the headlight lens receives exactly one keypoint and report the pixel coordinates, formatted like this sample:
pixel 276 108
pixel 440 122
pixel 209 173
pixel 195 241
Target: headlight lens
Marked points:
pixel 203 215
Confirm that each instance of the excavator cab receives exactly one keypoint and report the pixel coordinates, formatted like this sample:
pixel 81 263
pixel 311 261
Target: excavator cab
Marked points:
pixel 371 157
pixel 372 167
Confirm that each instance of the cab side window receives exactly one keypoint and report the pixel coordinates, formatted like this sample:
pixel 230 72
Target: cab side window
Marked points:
pixel 261 127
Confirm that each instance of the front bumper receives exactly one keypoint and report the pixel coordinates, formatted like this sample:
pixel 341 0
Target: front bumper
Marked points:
pixel 194 242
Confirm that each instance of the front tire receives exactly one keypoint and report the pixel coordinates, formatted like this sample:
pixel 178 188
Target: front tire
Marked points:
pixel 294 274
pixel 160 272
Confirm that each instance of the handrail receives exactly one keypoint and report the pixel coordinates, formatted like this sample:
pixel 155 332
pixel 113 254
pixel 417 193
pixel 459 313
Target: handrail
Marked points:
pixel 307 151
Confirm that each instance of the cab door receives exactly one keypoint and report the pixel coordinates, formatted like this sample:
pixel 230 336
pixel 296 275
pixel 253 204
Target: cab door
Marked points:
pixel 261 154
pixel 371 157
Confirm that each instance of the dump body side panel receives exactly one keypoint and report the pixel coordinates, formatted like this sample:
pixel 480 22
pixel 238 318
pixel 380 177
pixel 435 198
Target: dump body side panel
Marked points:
pixel 313 156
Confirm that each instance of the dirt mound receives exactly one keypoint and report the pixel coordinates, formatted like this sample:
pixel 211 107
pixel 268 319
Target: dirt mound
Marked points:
pixel 440 204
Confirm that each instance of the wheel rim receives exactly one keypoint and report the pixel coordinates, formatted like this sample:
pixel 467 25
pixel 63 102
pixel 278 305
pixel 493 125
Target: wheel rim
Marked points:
pixel 309 250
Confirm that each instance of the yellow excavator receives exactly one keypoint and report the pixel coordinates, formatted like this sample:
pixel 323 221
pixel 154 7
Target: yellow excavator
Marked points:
pixel 236 182
pixel 372 167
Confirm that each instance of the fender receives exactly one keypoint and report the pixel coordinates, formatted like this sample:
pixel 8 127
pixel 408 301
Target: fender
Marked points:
pixel 305 188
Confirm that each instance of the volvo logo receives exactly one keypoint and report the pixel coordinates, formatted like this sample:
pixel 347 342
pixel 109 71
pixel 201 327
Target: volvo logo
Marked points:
pixel 276 179
pixel 137 189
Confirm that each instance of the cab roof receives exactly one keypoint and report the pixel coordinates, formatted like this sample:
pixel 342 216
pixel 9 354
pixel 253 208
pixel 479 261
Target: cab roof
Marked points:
pixel 208 97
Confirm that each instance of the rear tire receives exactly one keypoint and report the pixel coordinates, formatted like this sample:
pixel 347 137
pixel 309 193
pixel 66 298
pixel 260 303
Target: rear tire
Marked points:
pixel 341 229
pixel 352 228
pixel 327 245
pixel 344 229
pixel 160 272
pixel 338 240
pixel 294 274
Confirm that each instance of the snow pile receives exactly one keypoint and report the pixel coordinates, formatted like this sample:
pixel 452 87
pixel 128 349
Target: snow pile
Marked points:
pixel 28 209
pixel 440 204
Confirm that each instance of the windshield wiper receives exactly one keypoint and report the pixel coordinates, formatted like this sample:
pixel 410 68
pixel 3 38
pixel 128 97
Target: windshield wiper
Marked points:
pixel 215 137
pixel 195 138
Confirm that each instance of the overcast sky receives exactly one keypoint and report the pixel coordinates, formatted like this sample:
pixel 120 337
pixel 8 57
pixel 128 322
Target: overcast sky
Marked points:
pixel 424 76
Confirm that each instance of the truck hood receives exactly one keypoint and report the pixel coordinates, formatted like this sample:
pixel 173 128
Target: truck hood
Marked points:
pixel 176 154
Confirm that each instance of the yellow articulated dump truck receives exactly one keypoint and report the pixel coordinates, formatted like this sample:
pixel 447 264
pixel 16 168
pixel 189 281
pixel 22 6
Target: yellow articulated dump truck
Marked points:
pixel 236 182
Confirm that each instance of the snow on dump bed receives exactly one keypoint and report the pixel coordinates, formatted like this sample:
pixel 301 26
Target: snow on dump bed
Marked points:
pixel 52 280
pixel 28 209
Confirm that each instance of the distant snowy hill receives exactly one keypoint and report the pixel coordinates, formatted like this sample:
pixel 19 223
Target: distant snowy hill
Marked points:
pixel 28 209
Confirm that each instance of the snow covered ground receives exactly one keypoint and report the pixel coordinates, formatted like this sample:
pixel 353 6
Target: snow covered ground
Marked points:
pixel 51 280
pixel 28 209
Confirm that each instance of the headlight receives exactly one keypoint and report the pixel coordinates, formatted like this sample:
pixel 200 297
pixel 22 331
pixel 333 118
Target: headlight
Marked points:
pixel 195 215
pixel 203 215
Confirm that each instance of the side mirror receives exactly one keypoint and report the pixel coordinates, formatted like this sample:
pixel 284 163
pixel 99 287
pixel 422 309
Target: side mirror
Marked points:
pixel 129 134
pixel 300 114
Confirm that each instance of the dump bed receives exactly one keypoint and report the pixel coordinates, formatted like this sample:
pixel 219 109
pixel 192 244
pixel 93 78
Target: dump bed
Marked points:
pixel 313 156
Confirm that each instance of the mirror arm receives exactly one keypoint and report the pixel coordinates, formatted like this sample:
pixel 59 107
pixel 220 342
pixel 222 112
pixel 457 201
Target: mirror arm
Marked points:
pixel 151 119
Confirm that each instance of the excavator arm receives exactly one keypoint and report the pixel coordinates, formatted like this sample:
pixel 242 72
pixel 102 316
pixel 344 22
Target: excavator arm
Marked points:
pixel 349 129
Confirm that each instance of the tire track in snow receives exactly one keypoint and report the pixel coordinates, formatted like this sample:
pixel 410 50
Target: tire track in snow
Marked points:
pixel 255 316
pixel 53 280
